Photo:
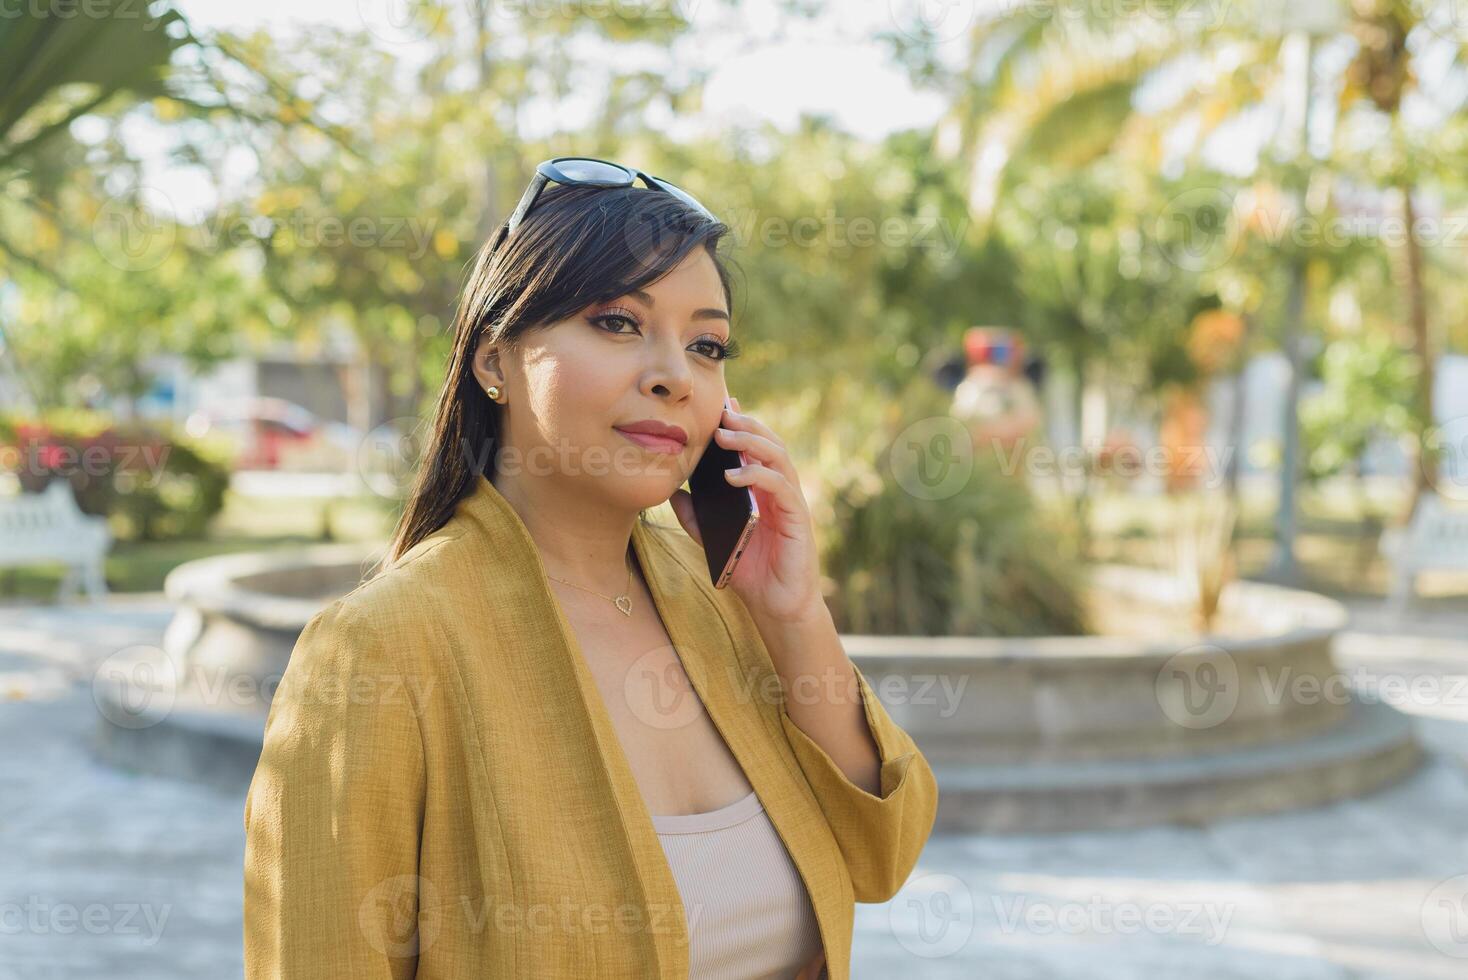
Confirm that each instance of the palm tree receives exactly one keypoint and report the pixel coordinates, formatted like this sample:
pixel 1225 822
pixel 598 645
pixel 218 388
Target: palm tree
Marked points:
pixel 109 47
pixel 1382 73
pixel 1064 89
pixel 59 65
pixel 55 69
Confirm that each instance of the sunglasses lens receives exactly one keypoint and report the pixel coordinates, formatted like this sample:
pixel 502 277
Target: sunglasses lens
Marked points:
pixel 593 171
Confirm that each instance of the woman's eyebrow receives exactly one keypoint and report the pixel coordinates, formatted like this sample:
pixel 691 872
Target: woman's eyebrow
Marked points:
pixel 707 313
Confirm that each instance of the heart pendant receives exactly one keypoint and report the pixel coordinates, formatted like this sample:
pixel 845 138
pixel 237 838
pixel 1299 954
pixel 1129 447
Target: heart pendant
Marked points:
pixel 624 603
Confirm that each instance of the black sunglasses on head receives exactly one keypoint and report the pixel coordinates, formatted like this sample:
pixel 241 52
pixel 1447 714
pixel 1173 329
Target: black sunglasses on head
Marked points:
pixel 589 172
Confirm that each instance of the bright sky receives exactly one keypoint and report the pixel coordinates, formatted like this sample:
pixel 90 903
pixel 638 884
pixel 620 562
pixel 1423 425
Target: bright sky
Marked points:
pixel 769 68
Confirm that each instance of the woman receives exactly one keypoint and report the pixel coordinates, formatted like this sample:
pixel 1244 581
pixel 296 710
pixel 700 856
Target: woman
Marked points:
pixel 540 743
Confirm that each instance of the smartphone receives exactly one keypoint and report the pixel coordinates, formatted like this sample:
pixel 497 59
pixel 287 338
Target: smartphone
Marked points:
pixel 726 514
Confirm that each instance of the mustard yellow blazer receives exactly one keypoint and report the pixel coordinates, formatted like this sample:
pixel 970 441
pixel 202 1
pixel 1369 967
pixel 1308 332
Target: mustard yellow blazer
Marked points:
pixel 441 793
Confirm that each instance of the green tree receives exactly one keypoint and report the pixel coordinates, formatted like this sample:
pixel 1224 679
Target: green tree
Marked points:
pixel 1065 85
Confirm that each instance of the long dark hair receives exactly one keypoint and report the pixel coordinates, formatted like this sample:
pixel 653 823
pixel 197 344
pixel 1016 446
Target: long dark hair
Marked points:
pixel 579 246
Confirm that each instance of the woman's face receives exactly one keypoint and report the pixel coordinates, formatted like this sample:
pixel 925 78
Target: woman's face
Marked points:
pixel 650 355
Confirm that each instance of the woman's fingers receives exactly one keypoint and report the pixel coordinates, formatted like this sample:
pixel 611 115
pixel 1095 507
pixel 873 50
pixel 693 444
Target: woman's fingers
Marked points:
pixel 760 448
pixel 761 477
pixel 757 446
pixel 739 421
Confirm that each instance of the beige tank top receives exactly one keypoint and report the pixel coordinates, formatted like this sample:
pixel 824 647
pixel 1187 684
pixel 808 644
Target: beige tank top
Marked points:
pixel 749 915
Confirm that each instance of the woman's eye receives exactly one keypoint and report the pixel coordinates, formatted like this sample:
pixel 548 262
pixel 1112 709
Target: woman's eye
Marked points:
pixel 613 317
pixel 721 350
pixel 711 348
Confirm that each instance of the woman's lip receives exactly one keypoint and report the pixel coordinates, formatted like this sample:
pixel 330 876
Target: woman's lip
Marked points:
pixel 661 444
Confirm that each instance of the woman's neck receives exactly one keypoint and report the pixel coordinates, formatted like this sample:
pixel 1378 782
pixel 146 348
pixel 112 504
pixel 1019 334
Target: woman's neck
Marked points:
pixel 585 545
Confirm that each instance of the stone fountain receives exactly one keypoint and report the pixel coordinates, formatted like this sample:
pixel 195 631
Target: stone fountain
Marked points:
pixel 196 706
pixel 1139 727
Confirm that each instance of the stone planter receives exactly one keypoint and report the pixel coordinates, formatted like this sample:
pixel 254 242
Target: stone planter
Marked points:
pixel 200 711
pixel 239 615
pixel 1065 733
pixel 1024 735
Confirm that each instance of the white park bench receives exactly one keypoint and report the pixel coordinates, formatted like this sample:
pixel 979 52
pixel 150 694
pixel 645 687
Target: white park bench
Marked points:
pixel 36 528
pixel 1436 539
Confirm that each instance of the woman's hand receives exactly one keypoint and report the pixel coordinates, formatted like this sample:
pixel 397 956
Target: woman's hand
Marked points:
pixel 778 576
pixel 779 580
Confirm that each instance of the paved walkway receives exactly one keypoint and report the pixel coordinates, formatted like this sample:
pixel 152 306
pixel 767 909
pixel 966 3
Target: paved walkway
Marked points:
pixel 103 873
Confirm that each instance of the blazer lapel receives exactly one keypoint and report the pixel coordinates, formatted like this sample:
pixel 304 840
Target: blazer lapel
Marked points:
pixel 732 690
pixel 702 641
pixel 549 654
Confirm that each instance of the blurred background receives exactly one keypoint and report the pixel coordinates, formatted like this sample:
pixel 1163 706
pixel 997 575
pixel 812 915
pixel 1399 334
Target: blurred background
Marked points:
pixel 1119 346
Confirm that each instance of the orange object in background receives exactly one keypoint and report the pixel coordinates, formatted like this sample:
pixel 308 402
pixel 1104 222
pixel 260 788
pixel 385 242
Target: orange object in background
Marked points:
pixel 1214 340
pixel 1182 434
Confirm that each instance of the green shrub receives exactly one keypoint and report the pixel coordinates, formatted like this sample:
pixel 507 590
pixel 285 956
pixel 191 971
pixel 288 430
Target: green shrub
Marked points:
pixel 978 564
pixel 982 561
pixel 151 484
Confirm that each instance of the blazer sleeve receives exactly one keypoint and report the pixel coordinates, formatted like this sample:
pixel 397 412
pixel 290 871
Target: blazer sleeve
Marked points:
pixel 333 815
pixel 880 836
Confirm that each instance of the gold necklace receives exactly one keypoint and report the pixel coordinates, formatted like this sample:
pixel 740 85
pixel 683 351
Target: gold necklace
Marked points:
pixel 622 602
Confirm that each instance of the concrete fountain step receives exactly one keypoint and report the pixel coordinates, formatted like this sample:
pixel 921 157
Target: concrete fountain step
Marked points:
pixel 184 733
pixel 1372 748
pixel 1024 735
